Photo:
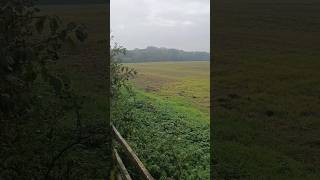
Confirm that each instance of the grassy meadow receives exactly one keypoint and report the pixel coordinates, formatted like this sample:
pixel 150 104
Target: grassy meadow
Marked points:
pixel 170 129
pixel 186 82
pixel 266 90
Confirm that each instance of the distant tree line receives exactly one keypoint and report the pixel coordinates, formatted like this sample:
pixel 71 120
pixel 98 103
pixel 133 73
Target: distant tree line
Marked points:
pixel 152 54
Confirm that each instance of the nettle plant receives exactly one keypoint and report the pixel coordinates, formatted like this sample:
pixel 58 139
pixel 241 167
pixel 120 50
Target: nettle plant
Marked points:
pixel 34 100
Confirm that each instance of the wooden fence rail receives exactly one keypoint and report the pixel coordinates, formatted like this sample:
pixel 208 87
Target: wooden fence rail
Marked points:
pixel 131 155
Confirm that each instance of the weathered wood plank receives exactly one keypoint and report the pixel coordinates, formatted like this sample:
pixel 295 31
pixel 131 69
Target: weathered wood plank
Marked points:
pixel 121 167
pixel 144 173
pixel 119 177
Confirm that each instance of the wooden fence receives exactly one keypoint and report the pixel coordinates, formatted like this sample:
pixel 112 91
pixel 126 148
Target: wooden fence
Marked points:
pixel 131 155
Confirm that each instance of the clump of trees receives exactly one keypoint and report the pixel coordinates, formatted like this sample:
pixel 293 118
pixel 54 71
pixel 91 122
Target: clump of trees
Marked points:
pixel 151 54
pixel 42 135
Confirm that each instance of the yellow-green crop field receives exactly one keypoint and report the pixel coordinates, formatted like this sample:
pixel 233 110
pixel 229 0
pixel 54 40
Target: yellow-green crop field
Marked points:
pixel 180 81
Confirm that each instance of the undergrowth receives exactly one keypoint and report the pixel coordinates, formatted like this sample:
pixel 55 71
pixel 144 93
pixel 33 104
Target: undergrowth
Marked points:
pixel 171 138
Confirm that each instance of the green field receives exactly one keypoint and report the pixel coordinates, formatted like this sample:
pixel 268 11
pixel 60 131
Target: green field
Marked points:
pixel 170 128
pixel 179 81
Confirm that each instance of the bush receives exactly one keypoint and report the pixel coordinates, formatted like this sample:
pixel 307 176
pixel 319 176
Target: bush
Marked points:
pixel 42 135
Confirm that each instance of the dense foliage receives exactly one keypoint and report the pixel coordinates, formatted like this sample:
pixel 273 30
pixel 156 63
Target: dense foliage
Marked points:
pixel 171 143
pixel 122 93
pixel 42 134
pixel 151 54
pixel 120 74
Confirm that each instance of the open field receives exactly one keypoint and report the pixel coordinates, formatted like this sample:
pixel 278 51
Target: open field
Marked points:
pixel 266 90
pixel 183 81
pixel 170 128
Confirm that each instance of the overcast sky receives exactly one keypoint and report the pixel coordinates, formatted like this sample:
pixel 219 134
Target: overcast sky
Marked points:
pixel 180 24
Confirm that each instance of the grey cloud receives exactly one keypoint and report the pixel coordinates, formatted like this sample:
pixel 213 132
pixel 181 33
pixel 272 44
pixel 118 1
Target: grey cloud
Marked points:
pixel 181 24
